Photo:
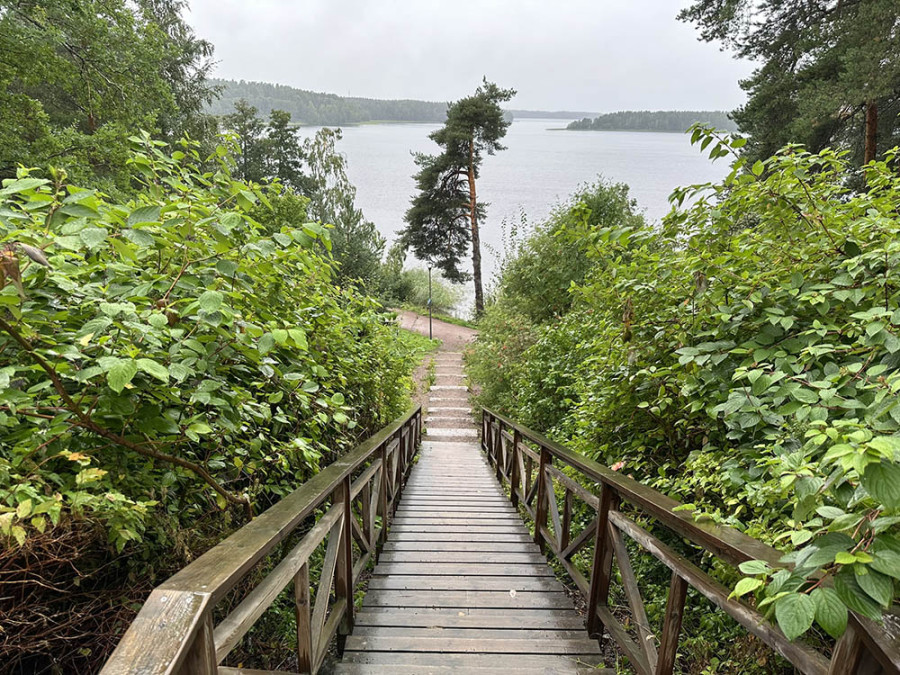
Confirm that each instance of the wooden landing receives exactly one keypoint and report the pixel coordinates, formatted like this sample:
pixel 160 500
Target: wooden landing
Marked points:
pixel 460 586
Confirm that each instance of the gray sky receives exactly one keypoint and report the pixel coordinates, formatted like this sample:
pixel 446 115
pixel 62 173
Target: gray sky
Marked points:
pixel 595 55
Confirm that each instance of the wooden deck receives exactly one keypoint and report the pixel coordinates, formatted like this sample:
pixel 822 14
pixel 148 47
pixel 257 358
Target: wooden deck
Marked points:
pixel 460 585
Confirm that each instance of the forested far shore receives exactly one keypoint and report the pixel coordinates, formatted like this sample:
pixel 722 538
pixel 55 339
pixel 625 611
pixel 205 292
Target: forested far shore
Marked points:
pixel 654 120
pixel 317 108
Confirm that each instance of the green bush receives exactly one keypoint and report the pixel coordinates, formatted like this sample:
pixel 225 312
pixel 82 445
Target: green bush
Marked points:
pixel 170 353
pixel 167 359
pixel 744 359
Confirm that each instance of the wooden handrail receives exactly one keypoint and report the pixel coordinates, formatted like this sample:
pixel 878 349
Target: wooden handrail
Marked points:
pixel 174 633
pixel 866 648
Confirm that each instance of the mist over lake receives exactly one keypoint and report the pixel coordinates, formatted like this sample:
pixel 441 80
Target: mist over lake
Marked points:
pixel 541 166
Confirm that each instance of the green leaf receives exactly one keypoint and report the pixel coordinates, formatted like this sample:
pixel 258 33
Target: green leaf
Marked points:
pixel 11 187
pixel 23 510
pixel 746 585
pixel 200 428
pixel 93 237
pixel 879 587
pixel 144 214
pixel 805 395
pixel 120 374
pixel 795 613
pixel 882 481
pixel 153 368
pixel 210 301
pixel 831 613
pixel 754 567
pixel 886 562
pixel 265 344
pixel 852 595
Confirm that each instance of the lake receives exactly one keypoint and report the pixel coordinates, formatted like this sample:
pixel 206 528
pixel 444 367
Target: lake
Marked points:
pixel 541 166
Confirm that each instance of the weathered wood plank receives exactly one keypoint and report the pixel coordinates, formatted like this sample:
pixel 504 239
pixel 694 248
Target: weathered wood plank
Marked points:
pixel 551 662
pixel 397 669
pixel 445 645
pixel 465 599
pixel 461 546
pixel 471 569
pixel 470 618
pixel 488 633
pixel 479 557
pixel 465 583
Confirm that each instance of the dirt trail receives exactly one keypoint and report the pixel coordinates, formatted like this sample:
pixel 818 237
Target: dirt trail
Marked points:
pixel 454 338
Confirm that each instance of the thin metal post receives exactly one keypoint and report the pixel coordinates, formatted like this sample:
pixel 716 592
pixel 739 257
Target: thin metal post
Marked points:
pixel 430 334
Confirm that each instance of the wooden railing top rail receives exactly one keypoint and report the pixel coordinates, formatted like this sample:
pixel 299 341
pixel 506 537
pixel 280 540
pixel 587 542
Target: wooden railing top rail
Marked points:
pixel 179 610
pixel 866 647
pixel 725 542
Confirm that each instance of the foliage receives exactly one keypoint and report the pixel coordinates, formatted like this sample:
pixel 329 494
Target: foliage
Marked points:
pixel 654 120
pixel 444 296
pixel 825 68
pixel 81 74
pixel 742 359
pixel 357 244
pixel 443 219
pixel 172 355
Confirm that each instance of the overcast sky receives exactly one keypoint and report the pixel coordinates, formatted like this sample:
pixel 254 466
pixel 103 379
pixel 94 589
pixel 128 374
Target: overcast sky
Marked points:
pixel 591 55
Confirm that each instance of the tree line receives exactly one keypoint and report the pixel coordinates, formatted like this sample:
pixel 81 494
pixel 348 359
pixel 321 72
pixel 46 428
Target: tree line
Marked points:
pixel 315 109
pixel 654 120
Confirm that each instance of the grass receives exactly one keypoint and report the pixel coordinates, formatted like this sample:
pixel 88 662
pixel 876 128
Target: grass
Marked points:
pixel 417 344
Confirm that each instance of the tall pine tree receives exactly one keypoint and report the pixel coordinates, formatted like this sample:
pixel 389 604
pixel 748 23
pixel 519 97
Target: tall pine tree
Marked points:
pixel 829 72
pixel 443 221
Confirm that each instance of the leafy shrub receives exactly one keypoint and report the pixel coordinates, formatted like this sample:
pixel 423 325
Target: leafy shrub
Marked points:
pixel 744 359
pixel 173 357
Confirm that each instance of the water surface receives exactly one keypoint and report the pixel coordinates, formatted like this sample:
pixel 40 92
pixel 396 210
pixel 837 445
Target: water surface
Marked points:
pixel 541 166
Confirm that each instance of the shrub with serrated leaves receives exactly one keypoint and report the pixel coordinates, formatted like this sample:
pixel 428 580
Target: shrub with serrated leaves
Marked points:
pixel 744 358
pixel 173 356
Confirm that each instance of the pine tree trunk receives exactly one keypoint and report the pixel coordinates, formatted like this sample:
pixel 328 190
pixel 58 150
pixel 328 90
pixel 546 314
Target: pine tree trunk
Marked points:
pixel 476 242
pixel 871 132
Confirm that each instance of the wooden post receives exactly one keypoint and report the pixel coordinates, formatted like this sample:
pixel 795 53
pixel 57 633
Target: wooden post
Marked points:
pixel 382 493
pixel 540 506
pixel 847 652
pixel 566 522
pixel 343 586
pixel 668 645
pixel 201 657
pixel 498 454
pixel 305 656
pixel 601 568
pixel 365 498
pixel 514 470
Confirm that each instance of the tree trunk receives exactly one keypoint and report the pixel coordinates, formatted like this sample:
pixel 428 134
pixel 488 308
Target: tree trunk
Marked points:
pixel 476 242
pixel 871 132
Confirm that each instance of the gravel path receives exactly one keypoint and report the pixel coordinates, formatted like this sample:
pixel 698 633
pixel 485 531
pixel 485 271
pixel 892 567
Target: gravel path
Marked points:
pixel 454 337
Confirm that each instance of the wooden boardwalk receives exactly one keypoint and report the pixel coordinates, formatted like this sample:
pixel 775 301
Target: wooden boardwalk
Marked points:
pixel 460 585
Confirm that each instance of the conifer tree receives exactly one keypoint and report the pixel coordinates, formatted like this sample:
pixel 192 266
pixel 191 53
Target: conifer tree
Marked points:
pixel 443 221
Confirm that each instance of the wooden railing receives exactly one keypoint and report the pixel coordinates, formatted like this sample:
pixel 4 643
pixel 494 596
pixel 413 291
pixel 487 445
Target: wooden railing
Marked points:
pixel 346 507
pixel 531 466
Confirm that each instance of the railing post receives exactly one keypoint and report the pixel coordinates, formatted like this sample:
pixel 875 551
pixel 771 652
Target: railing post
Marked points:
pixel 344 572
pixel 304 625
pixel 514 470
pixel 498 456
pixel 540 506
pixel 382 493
pixel 601 568
pixel 668 645
pixel 201 657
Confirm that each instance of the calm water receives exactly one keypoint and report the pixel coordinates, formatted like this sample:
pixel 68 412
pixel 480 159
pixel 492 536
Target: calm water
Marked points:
pixel 540 167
